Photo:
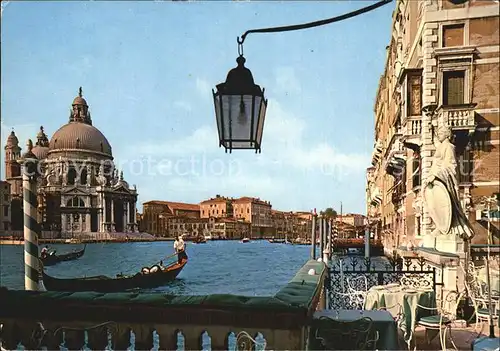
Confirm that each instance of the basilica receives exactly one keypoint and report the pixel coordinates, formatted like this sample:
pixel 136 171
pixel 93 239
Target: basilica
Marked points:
pixel 80 191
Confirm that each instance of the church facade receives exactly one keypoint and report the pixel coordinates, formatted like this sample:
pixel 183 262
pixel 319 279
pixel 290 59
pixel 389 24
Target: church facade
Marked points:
pixel 80 190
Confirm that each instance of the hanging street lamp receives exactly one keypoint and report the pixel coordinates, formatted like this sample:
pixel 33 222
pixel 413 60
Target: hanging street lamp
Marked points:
pixel 240 109
pixel 240 105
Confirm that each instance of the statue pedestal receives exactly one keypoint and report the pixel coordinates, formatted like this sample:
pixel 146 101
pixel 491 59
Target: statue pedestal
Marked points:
pixel 429 241
pixel 450 244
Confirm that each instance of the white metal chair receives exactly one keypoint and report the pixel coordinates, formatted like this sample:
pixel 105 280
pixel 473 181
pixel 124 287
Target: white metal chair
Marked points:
pixel 357 288
pixel 441 321
pixel 478 294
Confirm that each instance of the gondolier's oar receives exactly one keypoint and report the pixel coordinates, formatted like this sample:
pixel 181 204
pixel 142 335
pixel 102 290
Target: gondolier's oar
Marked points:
pixel 175 254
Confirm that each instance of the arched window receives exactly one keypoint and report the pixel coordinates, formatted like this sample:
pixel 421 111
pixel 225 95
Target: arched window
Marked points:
pixel 71 176
pixel 83 177
pixel 75 202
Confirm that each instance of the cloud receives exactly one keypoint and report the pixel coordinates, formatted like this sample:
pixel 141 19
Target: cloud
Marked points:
pixel 286 80
pixel 194 167
pixel 204 88
pixel 183 105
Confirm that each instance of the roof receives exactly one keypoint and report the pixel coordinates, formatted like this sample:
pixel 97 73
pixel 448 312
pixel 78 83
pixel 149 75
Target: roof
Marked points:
pixel 252 200
pixel 216 199
pixel 175 205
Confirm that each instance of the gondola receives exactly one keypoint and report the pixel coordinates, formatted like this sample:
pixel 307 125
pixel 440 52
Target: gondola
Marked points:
pixel 148 277
pixel 52 259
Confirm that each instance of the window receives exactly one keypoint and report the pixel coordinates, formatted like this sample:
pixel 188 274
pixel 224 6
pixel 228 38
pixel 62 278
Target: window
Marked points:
pixel 71 176
pixel 453 35
pixel 414 97
pixel 6 211
pixel 75 202
pixel 453 87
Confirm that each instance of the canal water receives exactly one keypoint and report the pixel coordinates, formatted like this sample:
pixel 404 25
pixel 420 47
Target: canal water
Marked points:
pixel 257 268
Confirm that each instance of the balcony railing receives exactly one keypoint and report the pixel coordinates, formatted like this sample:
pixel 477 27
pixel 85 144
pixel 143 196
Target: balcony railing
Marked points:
pixel 413 127
pixel 145 321
pixel 458 117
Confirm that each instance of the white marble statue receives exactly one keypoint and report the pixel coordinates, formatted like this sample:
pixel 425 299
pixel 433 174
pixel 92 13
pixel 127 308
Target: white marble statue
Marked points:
pixel 444 170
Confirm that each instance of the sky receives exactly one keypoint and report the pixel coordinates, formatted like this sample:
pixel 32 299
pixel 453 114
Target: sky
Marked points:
pixel 147 70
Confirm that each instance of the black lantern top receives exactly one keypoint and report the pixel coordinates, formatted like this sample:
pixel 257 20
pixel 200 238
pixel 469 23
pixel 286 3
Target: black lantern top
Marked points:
pixel 240 109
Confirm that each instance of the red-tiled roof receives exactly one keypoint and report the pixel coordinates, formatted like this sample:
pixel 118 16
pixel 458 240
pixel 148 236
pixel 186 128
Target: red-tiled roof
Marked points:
pixel 252 199
pixel 175 205
pixel 214 200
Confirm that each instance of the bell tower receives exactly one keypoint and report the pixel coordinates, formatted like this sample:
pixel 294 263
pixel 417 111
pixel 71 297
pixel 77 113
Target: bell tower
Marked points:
pixel 12 155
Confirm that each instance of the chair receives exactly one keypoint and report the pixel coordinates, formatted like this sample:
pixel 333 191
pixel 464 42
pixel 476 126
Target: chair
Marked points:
pixel 347 335
pixel 358 289
pixel 441 321
pixel 478 294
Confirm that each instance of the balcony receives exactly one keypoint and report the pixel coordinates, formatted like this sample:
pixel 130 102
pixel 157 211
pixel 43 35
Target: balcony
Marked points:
pixel 144 321
pixel 458 117
pixel 412 131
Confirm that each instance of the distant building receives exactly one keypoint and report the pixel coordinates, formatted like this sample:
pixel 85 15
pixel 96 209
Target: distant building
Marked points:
pixel 4 206
pixel 156 214
pixel 353 219
pixel 257 212
pixel 231 228
pixel 219 207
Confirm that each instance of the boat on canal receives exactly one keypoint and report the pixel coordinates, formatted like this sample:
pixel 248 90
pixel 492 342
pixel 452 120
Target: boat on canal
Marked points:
pixel 148 277
pixel 51 258
pixel 245 240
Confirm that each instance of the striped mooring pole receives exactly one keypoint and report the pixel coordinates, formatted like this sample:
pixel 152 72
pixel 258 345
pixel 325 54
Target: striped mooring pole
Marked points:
pixel 31 227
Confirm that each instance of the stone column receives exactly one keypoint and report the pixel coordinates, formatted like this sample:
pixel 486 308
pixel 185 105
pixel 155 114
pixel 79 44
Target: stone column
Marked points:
pixel 99 214
pixel 88 219
pixel 429 103
pixel 104 218
pixel 125 216
pixel 112 215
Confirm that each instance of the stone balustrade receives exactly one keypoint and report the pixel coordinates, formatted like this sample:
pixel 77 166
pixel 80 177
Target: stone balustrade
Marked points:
pixel 120 321
pixel 413 127
pixel 458 117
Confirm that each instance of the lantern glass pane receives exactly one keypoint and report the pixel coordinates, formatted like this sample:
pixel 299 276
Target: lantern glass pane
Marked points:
pixel 227 115
pixel 256 113
pixel 260 124
pixel 218 115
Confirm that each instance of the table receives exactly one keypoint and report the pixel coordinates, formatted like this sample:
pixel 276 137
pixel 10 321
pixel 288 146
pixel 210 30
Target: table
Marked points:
pixel 382 322
pixel 391 297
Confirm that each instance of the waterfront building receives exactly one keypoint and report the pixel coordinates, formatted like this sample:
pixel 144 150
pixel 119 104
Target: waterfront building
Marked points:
pixel 441 68
pixel 5 207
pixel 156 215
pixel 80 191
pixel 230 228
pixel 352 219
pixel 284 223
pixel 257 212
pixel 219 207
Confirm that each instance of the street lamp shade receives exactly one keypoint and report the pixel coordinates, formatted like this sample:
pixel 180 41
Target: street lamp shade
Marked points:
pixel 240 110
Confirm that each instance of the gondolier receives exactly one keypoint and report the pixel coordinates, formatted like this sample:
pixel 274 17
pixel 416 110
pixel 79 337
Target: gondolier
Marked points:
pixel 180 247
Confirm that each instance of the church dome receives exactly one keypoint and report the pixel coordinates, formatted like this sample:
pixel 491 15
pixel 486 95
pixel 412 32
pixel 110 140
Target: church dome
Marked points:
pixel 40 152
pixel 80 136
pixel 12 139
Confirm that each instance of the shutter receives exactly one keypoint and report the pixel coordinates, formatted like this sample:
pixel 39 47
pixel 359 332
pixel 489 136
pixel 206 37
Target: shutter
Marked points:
pixel 454 88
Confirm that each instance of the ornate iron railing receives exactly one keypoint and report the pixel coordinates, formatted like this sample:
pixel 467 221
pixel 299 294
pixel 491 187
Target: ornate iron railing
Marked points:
pixel 347 271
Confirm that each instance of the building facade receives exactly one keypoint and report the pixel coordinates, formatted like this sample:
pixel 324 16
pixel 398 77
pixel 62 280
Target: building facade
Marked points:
pixel 157 216
pixel 442 68
pixel 257 212
pixel 353 219
pixel 218 207
pixel 79 191
pixel 5 207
